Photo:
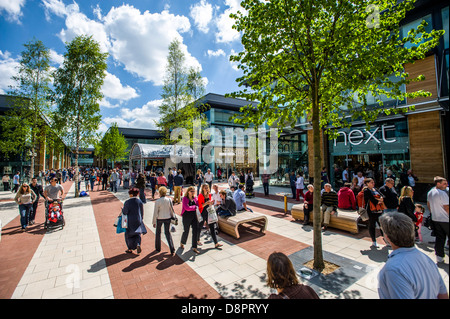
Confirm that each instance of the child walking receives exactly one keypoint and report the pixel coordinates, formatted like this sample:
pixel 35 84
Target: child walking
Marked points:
pixel 419 211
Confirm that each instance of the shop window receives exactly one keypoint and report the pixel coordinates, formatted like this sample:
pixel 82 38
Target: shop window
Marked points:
pixel 413 25
pixel 445 26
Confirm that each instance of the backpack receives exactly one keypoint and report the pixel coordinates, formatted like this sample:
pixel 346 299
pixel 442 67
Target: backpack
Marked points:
pixel 360 199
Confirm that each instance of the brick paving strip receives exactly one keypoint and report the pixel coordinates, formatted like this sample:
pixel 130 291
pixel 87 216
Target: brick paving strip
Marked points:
pixel 238 269
pixel 17 248
pixel 152 274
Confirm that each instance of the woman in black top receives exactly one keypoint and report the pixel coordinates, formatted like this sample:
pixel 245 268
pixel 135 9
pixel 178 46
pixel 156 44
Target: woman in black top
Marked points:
pixel 406 203
pixel 370 194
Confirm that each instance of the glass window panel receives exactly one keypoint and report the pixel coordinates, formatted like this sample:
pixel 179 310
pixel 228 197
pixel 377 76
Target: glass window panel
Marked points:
pixel 413 25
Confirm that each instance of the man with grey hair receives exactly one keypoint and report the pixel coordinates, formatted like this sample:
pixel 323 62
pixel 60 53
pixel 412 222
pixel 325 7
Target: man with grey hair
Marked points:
pixel 408 272
pixel 329 202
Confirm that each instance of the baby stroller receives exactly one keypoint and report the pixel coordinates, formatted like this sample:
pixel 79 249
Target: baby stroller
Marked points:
pixel 54 216
pixel 249 188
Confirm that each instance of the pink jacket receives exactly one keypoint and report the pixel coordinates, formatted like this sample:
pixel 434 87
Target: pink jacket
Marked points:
pixel 185 205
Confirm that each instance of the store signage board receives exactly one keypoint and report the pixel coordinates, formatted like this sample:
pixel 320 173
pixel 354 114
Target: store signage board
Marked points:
pixel 358 136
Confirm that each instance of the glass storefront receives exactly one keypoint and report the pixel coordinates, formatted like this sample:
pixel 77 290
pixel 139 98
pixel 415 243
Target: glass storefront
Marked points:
pixel 292 153
pixel 384 147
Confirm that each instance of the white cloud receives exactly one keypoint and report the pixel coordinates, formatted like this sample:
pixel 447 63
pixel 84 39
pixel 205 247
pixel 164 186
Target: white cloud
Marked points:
pixel 13 9
pixel 114 89
pixel 8 68
pixel 56 57
pixel 56 7
pixel 137 40
pixel 202 13
pixel 142 46
pixel 224 23
pixel 140 117
pixel 217 53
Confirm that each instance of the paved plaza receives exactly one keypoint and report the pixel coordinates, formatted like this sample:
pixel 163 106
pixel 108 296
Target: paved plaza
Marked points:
pixel 87 259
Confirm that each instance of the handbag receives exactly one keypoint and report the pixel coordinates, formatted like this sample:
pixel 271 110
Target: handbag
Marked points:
pixel 119 228
pixel 212 215
pixel 199 215
pixel 173 219
pixel 363 214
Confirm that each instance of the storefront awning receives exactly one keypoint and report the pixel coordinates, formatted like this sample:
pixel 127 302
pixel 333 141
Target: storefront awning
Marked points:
pixel 154 151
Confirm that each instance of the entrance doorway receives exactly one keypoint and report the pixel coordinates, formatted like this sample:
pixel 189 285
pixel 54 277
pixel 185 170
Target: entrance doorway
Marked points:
pixel 371 165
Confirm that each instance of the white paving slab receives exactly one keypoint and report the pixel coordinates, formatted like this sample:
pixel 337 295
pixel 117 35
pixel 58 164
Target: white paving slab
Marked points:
pixel 61 263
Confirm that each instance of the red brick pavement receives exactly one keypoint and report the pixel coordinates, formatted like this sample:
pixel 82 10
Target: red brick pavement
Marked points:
pixel 17 248
pixel 151 274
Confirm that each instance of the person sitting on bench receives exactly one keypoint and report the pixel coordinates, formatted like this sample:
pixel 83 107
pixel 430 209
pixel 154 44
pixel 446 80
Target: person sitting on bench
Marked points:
pixel 239 198
pixel 228 206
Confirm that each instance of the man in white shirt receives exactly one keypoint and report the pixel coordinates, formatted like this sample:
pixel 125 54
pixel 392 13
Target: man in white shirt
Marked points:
pixel 360 178
pixel 438 204
pixel 233 180
pixel 345 175
pixel 209 177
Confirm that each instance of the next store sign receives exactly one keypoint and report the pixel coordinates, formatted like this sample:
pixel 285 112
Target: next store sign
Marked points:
pixel 358 136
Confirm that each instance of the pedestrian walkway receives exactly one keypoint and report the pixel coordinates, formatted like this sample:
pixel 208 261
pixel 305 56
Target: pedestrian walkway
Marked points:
pixel 87 259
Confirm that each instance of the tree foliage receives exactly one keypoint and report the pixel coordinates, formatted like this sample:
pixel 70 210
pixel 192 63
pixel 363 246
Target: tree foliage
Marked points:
pixel 182 86
pixel 113 145
pixel 322 59
pixel 23 126
pixel 78 85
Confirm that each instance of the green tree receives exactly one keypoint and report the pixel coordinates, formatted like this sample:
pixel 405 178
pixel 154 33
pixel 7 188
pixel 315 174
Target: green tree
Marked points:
pixel 114 145
pixel 78 85
pixel 321 59
pixel 24 125
pixel 182 86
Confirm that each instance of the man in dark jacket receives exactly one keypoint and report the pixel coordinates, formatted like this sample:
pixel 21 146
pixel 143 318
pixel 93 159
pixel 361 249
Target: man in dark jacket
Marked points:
pixel 292 180
pixel 178 181
pixel 228 206
pixel 39 191
pixel 390 195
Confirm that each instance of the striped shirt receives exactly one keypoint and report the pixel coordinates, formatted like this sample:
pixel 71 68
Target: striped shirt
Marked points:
pixel 330 199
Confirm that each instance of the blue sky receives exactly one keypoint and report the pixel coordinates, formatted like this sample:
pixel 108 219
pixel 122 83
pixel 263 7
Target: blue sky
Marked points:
pixel 136 34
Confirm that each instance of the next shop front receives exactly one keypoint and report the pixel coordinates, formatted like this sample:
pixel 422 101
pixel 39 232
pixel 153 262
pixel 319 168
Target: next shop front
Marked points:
pixel 385 146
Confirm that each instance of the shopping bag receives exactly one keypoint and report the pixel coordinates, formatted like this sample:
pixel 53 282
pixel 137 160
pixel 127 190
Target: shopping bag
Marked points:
pixel 212 215
pixel 199 215
pixel 119 228
pixel 124 221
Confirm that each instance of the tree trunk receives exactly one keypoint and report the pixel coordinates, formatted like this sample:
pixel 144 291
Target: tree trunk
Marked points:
pixel 317 215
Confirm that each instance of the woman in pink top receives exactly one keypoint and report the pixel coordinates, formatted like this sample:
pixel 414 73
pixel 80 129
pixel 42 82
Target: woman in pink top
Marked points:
pixel 189 217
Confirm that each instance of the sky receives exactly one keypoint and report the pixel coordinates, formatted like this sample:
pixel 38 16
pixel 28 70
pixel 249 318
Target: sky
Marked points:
pixel 136 34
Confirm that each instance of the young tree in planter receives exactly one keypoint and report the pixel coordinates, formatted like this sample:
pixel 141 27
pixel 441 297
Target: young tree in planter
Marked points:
pixel 322 58
pixel 78 85
pixel 114 145
pixel 24 124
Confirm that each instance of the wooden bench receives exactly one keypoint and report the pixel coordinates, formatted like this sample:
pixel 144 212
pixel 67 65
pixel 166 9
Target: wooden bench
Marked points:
pixel 230 224
pixel 345 219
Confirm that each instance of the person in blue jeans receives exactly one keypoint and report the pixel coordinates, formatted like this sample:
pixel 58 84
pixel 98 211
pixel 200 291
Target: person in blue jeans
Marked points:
pixel 25 198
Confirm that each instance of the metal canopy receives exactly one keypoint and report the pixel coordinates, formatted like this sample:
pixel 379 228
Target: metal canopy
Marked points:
pixel 154 151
